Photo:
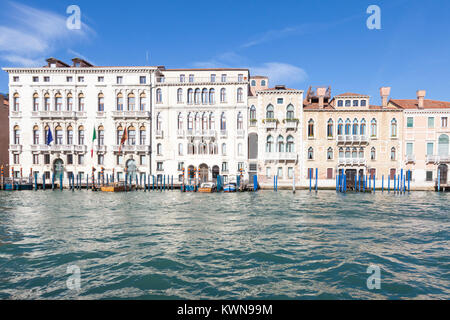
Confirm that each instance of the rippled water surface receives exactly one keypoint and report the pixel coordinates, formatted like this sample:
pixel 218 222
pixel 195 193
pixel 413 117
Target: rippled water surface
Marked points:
pixel 262 245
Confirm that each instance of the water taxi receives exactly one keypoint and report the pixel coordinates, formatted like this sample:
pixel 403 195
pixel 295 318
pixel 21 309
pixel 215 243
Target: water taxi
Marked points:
pixel 113 188
pixel 230 187
pixel 207 187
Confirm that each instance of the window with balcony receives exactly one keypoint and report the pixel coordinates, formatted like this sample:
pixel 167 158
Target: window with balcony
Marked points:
pixel 59 135
pixel 270 112
pixel 348 153
pixel 69 102
pixel 119 102
pixel 362 127
pixel 35 102
pixel 443 145
pixel 280 144
pixel 80 102
pixel 101 136
pixel 142 136
pixel 69 135
pixel 269 144
pixel 131 102
pixel 348 126
pixel 341 153
pixel 355 127
pixel 58 102
pixel 81 135
pixel 16 135
pixel 131 136
pixel 36 135
pixel 340 128
pixel 290 112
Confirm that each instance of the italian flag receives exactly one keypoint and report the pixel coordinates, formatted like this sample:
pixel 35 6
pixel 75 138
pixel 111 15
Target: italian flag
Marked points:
pixel 94 136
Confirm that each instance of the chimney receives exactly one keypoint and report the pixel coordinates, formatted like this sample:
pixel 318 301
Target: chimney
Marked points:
pixel 420 98
pixel 321 94
pixel 384 93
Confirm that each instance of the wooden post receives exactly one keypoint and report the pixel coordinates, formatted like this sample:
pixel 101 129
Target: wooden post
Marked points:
pixel 317 178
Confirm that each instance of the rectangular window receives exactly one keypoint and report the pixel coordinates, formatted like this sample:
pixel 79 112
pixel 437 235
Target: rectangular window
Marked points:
pixel 119 80
pixel 355 103
pixel 69 79
pixel 430 122
pixel 46 79
pixel 253 167
pixel 80 159
pixel 280 172
pixel 363 103
pixel 280 100
pixel 240 77
pixel 329 173
pixel 16 79
pixel 224 78
pixel 16 159
pixel 46 159
pixel 430 148
pixel 119 159
pixel 444 122
pixel 240 165
pixel 100 79
pixel 268 173
pixel 191 78
pixel 348 103
pixel 142 80
pixel 180 166
pixel 142 160
pixel 429 176
pixel 213 78
pixel 409 148
pixel 182 78
pixel 100 159
pixel 159 166
pixel 69 159
pixel 409 122
pixel 35 159
pixel 290 172
pixel 224 166
pixel 35 79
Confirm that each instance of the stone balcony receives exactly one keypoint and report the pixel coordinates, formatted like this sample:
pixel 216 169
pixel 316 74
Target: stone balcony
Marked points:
pixel 352 139
pixel 410 158
pixel 58 148
pixel 201 133
pixel 269 124
pixel 15 147
pixel 98 148
pixel 438 159
pixel 280 156
pixel 131 148
pixel 58 114
pixel 351 161
pixel 131 114
pixel 291 124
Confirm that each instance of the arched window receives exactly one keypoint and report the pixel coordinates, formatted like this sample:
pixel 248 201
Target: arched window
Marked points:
pixel 119 102
pixel 330 128
pixel 361 153
pixel 131 135
pixel 269 144
pixel 223 121
pixel 252 113
pixel 80 102
pixel 191 148
pixel 159 149
pixel 197 96
pixel 180 95
pixel 310 153
pixel 197 123
pixel 372 153
pixel 341 153
pixel 394 128
pixel 240 123
pixel 69 135
pixel 212 96
pixel 253 83
pixel 190 122
pixel 290 112
pixel 280 144
pixel 443 145
pixel 47 102
pixel 354 153
pixel 59 135
pixel 158 121
pixel 223 95
pixel 142 103
pixel 311 128
pixel 362 127
pixel 189 96
pixel 340 127
pixel 58 102
pixel 392 153
pixel 224 149
pixel 16 102
pixel 347 126
pixel 81 135
pixel 180 149
pixel 204 96
pixel 330 153
pixel 101 102
pixel 373 128
pixel 347 152
pixel 69 100
pixel 35 102
pixel 180 121
pixel 355 127
pixel 212 124
pixel 269 112
pixel 204 121
pixel 240 95
pixel 119 134
pixel 263 83
pixel 131 102
pixel 35 135
pixel 142 135
pixel 16 135
pixel 290 146
pixel 158 95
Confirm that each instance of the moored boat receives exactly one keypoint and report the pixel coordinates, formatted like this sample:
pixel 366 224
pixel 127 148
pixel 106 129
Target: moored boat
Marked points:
pixel 230 187
pixel 113 188
pixel 207 187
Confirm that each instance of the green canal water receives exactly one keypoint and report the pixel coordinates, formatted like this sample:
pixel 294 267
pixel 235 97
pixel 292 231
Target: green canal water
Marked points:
pixel 264 245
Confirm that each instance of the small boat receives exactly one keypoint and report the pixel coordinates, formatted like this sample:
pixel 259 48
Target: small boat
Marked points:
pixel 207 187
pixel 21 184
pixel 113 188
pixel 230 187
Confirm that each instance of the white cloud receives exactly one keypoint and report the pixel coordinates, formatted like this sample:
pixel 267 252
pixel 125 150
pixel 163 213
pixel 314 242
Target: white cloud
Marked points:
pixel 280 73
pixel 26 62
pixel 31 33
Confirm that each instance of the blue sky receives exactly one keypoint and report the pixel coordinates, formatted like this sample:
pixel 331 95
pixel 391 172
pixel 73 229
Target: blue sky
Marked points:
pixel 296 43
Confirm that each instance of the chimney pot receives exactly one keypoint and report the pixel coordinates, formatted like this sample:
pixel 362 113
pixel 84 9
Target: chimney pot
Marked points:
pixel 321 94
pixel 420 98
pixel 384 93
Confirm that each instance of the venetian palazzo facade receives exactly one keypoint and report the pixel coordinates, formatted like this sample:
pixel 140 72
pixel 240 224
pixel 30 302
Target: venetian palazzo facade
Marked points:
pixel 213 122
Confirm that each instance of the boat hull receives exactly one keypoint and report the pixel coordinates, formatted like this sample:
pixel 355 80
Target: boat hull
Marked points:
pixel 113 188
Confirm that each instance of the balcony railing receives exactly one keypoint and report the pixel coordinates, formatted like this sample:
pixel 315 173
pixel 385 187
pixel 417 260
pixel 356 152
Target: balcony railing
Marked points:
pixel 223 133
pixel 15 113
pixel 280 156
pixel 352 161
pixel 58 114
pixel 352 139
pixel 438 158
pixel 131 114
pixel 15 147
pixel 410 158
pixel 270 124
pixel 131 148
pixel 291 124
pixel 98 148
pixel 218 79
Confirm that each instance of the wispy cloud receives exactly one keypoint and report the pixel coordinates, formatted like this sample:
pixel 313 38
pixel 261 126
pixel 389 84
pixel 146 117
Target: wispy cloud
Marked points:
pixel 277 34
pixel 281 73
pixel 31 34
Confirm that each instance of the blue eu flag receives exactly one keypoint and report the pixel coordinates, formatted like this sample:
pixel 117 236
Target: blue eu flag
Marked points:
pixel 49 137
